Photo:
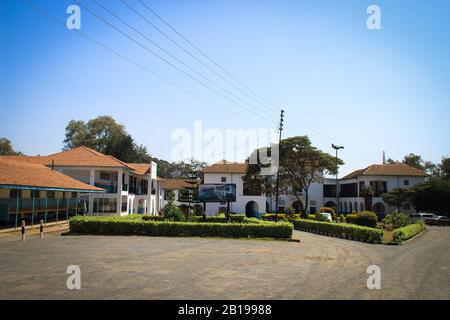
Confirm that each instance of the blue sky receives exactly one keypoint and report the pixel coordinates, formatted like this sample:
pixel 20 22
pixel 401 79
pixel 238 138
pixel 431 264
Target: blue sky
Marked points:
pixel 339 82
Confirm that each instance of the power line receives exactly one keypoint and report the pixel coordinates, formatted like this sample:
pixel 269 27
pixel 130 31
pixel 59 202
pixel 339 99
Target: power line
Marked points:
pixel 32 5
pixel 265 102
pixel 169 53
pixel 167 61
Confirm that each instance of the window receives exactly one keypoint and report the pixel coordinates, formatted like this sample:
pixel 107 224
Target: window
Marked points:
pixel 105 176
pixel 406 182
pixel 51 194
pixel 14 193
pixel 223 179
pixel 34 194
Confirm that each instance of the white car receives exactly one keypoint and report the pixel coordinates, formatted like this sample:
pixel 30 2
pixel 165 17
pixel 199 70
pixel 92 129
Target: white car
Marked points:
pixel 325 216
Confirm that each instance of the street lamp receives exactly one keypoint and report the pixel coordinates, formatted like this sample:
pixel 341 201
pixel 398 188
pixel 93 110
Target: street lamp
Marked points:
pixel 337 148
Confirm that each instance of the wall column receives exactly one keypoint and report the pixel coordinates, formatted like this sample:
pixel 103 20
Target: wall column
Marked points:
pixel 91 195
pixel 120 183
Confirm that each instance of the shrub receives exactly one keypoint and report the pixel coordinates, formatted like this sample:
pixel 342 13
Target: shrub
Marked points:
pixel 153 218
pixel 366 219
pixel 397 220
pixel 351 218
pixel 329 210
pixel 348 231
pixel 172 212
pixel 114 226
pixel 341 218
pixel 405 233
pixel 275 216
pixel 311 217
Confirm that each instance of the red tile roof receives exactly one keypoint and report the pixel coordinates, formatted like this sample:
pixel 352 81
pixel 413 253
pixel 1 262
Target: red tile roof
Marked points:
pixel 77 157
pixel 175 184
pixel 226 167
pixel 27 174
pixel 140 168
pixel 395 169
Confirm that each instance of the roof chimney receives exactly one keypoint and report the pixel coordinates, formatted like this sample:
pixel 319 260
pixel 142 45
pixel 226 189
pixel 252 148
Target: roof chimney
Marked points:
pixel 384 157
pixel 53 164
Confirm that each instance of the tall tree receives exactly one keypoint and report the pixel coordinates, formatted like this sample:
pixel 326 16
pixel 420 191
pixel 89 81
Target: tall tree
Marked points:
pixel 414 160
pixel 107 136
pixel 301 164
pixel 444 168
pixel 6 148
pixel 397 198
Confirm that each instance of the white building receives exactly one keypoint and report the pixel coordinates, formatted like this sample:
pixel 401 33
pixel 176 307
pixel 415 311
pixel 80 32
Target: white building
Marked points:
pixel 232 173
pixel 130 188
pixel 250 204
pixel 381 177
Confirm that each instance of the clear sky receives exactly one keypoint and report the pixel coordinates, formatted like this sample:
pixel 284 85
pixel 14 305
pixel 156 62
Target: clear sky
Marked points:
pixel 369 90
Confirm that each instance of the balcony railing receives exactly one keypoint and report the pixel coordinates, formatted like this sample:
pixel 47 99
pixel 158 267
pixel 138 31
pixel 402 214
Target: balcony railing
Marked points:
pixel 108 188
pixel 32 210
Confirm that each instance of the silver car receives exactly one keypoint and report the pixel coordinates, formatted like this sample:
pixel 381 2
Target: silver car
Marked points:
pixel 415 217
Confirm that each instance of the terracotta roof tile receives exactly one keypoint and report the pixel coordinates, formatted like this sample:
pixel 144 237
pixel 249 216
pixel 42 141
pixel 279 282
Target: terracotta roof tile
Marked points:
pixel 80 157
pixel 226 167
pixel 140 168
pixel 27 174
pixel 395 169
pixel 175 184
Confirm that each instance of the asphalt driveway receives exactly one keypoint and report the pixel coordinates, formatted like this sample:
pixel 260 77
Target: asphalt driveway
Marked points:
pixel 193 268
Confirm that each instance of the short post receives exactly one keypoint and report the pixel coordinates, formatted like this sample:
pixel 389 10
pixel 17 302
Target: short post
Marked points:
pixel 41 229
pixel 23 231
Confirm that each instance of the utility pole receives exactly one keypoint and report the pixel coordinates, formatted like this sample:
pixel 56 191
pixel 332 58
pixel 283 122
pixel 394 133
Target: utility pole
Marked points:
pixel 277 187
pixel 337 148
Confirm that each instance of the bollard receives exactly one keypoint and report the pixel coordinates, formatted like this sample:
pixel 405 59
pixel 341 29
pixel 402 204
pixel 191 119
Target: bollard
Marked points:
pixel 41 229
pixel 23 230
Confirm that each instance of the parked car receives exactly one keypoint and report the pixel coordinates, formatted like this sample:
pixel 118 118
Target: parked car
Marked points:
pixel 325 216
pixel 438 221
pixel 415 217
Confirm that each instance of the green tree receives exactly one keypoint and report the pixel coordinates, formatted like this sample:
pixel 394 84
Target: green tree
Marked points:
pixel 105 135
pixel 414 160
pixel 6 148
pixel 368 194
pixel 432 196
pixel 397 198
pixel 301 164
pixel 444 168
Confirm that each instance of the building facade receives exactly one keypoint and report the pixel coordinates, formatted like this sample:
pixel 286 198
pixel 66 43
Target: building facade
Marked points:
pixel 381 178
pixel 129 188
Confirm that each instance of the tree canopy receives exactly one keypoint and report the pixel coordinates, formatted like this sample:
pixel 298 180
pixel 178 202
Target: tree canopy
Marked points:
pixel 6 148
pixel 105 135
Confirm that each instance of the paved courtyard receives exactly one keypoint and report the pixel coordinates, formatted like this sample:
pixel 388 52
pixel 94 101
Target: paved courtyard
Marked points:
pixel 192 268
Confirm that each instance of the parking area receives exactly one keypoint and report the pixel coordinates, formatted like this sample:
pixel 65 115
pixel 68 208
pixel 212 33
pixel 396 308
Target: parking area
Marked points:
pixel 193 268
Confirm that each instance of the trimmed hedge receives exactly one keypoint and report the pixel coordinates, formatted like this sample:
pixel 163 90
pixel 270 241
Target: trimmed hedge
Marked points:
pixel 364 218
pixel 209 219
pixel 351 232
pixel 120 226
pixel 408 232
